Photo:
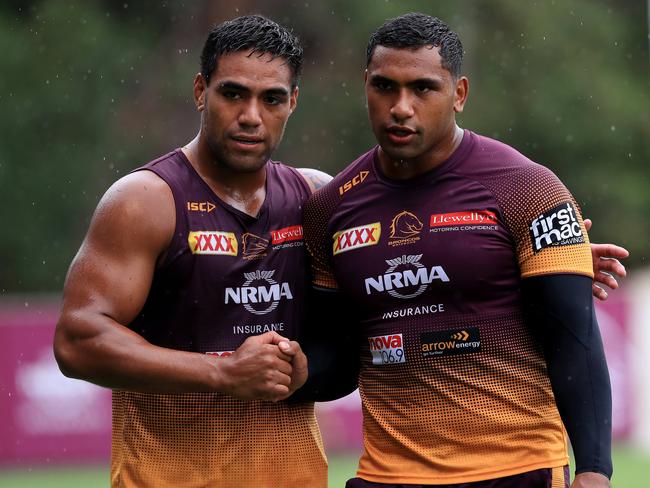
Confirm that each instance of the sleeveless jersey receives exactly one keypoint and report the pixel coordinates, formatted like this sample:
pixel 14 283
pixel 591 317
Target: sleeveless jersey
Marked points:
pixel 453 384
pixel 226 276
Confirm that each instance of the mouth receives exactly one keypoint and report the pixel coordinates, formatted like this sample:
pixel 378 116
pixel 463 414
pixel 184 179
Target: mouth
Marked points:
pixel 246 141
pixel 400 134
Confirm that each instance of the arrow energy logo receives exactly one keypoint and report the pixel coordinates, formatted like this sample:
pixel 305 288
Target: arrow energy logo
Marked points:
pixel 450 342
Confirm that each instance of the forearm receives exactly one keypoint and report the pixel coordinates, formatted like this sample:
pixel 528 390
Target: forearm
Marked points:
pixel 563 313
pixel 329 341
pixel 111 355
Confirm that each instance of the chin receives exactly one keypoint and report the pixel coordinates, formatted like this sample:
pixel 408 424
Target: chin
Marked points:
pixel 401 153
pixel 246 165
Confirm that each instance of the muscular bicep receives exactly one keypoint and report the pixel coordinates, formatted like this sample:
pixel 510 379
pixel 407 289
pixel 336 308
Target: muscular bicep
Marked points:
pixel 112 272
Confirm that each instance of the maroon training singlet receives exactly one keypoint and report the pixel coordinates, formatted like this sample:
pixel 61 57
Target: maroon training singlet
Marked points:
pixel 226 276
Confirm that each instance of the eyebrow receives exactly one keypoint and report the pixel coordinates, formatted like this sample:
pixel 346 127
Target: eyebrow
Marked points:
pixel 434 82
pixel 232 85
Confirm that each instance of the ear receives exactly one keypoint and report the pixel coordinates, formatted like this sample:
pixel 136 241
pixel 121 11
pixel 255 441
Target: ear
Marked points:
pixel 365 77
pixel 461 93
pixel 200 88
pixel 293 100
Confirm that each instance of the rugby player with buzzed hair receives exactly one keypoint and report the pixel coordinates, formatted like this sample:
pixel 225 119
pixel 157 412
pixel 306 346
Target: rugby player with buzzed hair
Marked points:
pixel 188 288
pixel 471 274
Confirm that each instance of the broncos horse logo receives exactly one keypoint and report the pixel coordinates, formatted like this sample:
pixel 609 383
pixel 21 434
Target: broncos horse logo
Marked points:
pixel 405 225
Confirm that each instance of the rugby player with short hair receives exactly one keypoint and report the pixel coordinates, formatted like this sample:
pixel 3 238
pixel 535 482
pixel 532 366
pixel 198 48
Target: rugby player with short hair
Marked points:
pixel 470 269
pixel 189 286
pixel 190 283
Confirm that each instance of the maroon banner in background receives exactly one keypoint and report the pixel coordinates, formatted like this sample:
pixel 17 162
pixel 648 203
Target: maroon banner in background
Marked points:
pixel 46 417
pixel 612 318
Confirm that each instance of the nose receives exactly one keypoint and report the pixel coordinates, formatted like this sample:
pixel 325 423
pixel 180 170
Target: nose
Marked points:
pixel 402 109
pixel 250 115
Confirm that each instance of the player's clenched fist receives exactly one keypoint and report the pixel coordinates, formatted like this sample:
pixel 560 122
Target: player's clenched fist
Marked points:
pixel 260 369
pixel 299 363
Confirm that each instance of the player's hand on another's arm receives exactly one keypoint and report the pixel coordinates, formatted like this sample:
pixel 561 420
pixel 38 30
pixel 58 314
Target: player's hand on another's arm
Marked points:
pixel 258 369
pixel 607 266
pixel 591 480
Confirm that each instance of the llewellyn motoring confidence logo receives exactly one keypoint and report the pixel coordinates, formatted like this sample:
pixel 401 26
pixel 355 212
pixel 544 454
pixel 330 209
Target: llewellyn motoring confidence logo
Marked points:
pixel 556 227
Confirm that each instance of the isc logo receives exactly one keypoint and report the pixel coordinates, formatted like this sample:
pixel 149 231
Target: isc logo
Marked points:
pixel 356 237
pixel 387 349
pixel 212 242
pixel 200 206
pixel 348 185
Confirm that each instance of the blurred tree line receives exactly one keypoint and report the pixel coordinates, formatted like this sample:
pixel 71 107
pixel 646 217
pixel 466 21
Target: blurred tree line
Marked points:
pixel 91 89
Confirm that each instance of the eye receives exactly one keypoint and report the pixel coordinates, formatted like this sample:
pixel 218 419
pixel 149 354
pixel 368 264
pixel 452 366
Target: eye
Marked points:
pixel 231 95
pixel 423 88
pixel 383 85
pixel 272 100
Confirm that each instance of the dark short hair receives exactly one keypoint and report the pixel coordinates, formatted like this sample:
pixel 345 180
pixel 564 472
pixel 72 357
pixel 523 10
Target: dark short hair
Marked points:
pixel 414 30
pixel 255 33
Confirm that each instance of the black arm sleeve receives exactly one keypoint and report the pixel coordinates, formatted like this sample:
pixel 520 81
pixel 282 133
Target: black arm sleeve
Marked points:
pixel 328 339
pixel 561 310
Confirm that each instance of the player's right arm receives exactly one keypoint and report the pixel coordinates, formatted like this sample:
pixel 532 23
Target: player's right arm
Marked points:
pixel 107 286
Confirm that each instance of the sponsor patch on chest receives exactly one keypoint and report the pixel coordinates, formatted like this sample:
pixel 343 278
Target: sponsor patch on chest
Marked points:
pixel 212 242
pixel 450 342
pixel 356 237
pixel 387 349
pixel 556 227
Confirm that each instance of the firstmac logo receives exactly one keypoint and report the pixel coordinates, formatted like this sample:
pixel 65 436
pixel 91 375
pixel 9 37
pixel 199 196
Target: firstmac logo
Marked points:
pixel 356 237
pixel 556 227
pixel 212 242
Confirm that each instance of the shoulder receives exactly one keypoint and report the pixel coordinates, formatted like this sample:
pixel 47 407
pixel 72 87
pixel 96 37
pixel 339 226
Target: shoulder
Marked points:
pixel 314 178
pixel 137 193
pixel 505 170
pixel 137 207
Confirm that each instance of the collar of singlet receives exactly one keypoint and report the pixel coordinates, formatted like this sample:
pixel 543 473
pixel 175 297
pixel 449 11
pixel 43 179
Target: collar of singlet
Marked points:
pixel 246 218
pixel 458 156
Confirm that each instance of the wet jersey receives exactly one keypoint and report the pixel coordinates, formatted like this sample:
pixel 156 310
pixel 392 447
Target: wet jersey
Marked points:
pixel 226 276
pixel 454 386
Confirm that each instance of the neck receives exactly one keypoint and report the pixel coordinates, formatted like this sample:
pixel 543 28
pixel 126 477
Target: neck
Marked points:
pixel 244 191
pixel 406 169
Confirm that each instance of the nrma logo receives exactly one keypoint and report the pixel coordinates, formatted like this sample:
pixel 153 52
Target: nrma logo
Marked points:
pixel 260 293
pixel 404 273
pixel 557 227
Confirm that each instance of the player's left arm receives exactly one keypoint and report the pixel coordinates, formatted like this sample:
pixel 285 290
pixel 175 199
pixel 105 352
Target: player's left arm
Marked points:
pixel 560 309
pixel 556 265
pixel 315 179
pixel 607 266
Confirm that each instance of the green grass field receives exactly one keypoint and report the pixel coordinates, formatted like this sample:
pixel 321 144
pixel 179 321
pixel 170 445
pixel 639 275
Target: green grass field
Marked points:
pixel 631 472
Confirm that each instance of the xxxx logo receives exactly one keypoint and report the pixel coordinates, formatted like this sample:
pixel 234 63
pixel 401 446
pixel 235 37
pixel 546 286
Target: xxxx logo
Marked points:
pixel 362 236
pixel 212 242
